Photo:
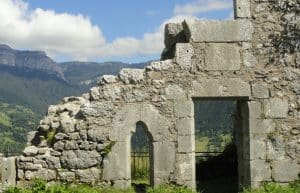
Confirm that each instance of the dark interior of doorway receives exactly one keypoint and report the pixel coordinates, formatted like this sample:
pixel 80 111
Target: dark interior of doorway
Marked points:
pixel 216 151
pixel 140 158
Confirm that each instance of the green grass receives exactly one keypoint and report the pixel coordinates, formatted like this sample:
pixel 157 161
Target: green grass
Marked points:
pixel 39 186
pixel 276 188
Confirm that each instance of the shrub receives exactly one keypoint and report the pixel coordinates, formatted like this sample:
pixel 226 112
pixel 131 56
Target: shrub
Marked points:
pixel 276 188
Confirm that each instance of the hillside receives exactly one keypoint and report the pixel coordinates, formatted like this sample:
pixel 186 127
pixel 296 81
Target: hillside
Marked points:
pixel 30 81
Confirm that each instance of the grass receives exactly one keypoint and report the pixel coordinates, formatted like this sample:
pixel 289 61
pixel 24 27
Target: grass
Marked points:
pixel 39 186
pixel 276 188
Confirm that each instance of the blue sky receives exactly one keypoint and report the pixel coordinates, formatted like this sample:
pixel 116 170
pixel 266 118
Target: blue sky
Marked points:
pixel 99 30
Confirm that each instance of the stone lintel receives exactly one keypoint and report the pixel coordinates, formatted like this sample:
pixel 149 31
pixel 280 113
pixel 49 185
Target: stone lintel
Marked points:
pixel 218 31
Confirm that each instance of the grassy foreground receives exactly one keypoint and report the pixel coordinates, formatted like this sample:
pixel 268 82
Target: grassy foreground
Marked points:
pixel 39 186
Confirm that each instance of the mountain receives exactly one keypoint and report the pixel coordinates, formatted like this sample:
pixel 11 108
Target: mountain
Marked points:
pixel 34 80
pixel 33 60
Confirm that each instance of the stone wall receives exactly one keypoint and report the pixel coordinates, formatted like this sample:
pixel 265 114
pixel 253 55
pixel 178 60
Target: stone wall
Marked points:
pixel 87 139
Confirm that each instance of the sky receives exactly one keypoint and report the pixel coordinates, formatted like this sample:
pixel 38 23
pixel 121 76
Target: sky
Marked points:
pixel 99 30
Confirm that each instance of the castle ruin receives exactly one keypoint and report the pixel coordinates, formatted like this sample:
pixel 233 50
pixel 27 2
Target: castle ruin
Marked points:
pixel 253 59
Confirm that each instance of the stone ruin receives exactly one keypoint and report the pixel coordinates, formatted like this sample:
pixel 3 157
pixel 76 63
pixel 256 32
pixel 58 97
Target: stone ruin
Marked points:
pixel 253 59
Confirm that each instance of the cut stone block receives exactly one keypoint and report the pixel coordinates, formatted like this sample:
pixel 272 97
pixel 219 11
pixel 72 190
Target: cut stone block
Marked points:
pixel 260 91
pixel 285 171
pixel 220 56
pixel 234 87
pixel 242 9
pixel 186 144
pixel 260 170
pixel 218 31
pixel 183 55
pixel 276 108
pixel 8 172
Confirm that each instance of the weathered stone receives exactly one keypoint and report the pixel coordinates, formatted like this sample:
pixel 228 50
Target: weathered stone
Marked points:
pixel 220 56
pixel 186 144
pixel 97 135
pixel 59 146
pixel 260 91
pixel 276 108
pixel 71 145
pixel 116 165
pixel 160 65
pixel 91 175
pixel 30 151
pixel 218 31
pixel 79 159
pixel 221 87
pixel 130 75
pixel 185 126
pixel 67 176
pixel 183 108
pixel 242 9
pixel 109 79
pixel 67 124
pixel 60 136
pixel 30 137
pixel 249 59
pixel 175 92
pixel 285 170
pixel 8 172
pixel 44 174
pixel 183 55
pixel 260 170
pixel 173 34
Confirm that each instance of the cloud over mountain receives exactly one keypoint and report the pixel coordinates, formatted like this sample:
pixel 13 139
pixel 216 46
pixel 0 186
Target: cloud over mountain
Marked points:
pixel 74 36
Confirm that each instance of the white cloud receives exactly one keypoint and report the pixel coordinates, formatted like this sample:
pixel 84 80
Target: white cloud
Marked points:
pixel 202 6
pixel 75 36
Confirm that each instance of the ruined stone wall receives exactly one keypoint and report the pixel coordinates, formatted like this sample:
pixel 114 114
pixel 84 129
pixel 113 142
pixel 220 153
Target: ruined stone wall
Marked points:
pixel 251 59
pixel 275 45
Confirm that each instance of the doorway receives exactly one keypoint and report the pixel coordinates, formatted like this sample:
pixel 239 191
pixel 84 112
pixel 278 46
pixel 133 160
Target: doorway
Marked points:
pixel 141 158
pixel 217 125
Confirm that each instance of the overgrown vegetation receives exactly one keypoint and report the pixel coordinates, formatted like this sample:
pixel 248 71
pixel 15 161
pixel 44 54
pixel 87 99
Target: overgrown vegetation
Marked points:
pixel 276 188
pixel 15 122
pixel 39 186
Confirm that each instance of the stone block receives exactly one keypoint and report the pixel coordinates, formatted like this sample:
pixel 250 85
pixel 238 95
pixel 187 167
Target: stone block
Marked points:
pixel 185 126
pixel 285 170
pixel 260 170
pixel 124 122
pixel 218 31
pixel 221 56
pixel 130 75
pixel 80 159
pixel 261 126
pixel 160 65
pixel 242 9
pixel 183 55
pixel 163 159
pixel 159 129
pixel 185 168
pixel 183 108
pixel 8 172
pixel 67 176
pixel 174 34
pixel 260 91
pixel 249 59
pixel 116 165
pixel 30 151
pixel 91 175
pixel 258 149
pixel 233 87
pixel 276 108
pixel 186 144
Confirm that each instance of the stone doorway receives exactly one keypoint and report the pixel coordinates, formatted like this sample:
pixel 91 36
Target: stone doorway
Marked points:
pixel 142 171
pixel 221 127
